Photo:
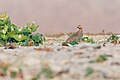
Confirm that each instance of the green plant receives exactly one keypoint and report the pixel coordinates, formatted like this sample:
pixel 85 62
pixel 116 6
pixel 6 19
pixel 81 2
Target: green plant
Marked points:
pixel 87 39
pixel 35 78
pixel 89 71
pixel 13 74
pixel 101 58
pixel 113 37
pixel 37 39
pixel 48 73
pixel 10 33
pixel 4 68
pixel 74 42
pixel 92 61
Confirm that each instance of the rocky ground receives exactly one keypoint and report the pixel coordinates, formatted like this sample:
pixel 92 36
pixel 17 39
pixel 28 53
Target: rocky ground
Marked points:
pixel 52 61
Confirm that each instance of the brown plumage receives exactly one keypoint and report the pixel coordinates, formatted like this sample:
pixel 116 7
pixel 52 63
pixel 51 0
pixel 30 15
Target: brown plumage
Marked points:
pixel 77 35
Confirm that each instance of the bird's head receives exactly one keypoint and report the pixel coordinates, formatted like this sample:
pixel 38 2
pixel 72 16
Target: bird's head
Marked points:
pixel 79 27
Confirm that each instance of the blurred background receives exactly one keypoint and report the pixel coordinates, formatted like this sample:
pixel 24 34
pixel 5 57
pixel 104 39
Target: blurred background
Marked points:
pixel 57 16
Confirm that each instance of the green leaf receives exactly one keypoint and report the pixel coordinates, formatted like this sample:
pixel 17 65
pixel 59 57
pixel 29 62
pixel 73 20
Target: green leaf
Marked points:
pixel 32 27
pixel 5 29
pixel 36 43
pixel 5 18
pixel 112 38
pixel 35 78
pixel 19 37
pixel 37 38
pixel 48 73
pixel 74 42
pixel 3 37
pixel 1 42
pixel 87 39
pixel 13 74
pixel 89 71
pixel 25 43
pixel 4 68
pixel 1 27
pixel 1 23
pixel 26 31
pixel 101 58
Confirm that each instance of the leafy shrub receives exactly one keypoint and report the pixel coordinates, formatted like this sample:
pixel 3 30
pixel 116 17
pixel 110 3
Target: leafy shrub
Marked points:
pixel 84 39
pixel 113 37
pixel 10 32
pixel 87 39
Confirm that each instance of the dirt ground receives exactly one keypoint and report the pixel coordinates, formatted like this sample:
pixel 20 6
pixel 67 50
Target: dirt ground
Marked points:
pixel 52 61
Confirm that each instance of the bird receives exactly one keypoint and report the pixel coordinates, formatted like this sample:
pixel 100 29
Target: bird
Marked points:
pixel 76 36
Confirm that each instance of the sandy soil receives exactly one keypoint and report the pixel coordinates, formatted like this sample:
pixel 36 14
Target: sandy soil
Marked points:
pixel 52 61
